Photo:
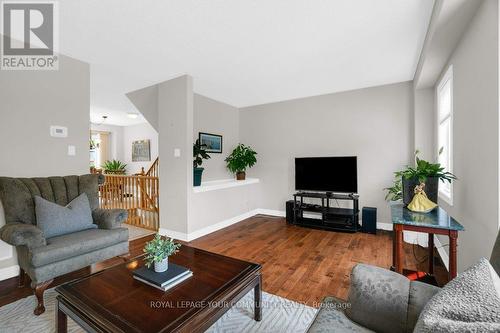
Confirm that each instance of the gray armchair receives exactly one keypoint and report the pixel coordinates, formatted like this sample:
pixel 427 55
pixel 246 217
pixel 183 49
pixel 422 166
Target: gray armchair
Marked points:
pixel 380 300
pixel 43 259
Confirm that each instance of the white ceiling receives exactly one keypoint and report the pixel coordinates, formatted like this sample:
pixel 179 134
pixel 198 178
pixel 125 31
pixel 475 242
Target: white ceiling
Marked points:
pixel 243 52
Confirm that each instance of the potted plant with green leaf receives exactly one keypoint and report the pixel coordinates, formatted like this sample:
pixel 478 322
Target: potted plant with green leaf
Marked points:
pixel 157 252
pixel 423 172
pixel 240 159
pixel 395 192
pixel 115 167
pixel 199 154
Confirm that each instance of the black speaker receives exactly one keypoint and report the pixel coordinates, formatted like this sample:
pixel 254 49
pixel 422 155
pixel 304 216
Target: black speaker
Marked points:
pixel 289 211
pixel 369 219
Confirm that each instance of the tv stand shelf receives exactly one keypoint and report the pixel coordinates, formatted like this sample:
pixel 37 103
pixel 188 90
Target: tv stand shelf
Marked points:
pixel 331 218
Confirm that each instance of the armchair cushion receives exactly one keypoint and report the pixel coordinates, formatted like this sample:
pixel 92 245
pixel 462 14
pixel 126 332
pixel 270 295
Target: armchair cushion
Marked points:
pixel 420 294
pixel 379 299
pixel 71 245
pixel 331 318
pixel 109 218
pixel 18 234
pixel 56 220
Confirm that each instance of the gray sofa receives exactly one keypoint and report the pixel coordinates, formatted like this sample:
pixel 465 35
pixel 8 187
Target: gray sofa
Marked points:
pixel 380 300
pixel 43 259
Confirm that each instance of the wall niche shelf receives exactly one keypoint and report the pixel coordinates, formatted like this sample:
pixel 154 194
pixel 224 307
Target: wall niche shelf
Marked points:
pixel 214 185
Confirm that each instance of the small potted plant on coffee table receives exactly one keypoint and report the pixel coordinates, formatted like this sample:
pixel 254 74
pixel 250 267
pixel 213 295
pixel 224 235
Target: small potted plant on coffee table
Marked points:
pixel 241 158
pixel 199 154
pixel 157 252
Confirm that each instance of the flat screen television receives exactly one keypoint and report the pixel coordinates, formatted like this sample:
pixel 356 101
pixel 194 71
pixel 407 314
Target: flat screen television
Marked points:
pixel 328 174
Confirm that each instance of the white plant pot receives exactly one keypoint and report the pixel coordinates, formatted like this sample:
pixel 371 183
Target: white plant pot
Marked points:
pixel 161 266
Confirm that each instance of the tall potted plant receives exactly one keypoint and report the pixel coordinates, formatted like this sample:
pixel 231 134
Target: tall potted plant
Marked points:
pixel 241 158
pixel 199 154
pixel 423 172
pixel 157 252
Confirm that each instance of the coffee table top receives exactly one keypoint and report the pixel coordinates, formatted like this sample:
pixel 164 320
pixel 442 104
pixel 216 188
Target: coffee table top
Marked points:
pixel 114 296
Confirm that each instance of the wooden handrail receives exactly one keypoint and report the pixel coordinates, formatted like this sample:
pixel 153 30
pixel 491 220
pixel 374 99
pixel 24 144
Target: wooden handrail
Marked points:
pixel 154 168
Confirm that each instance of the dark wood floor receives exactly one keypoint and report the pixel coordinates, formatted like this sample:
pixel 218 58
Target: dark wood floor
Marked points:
pixel 298 263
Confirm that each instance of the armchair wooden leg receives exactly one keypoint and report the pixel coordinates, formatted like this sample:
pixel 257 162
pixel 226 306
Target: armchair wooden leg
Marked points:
pixel 22 278
pixel 38 290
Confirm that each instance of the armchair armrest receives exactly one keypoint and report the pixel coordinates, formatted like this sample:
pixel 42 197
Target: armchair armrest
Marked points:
pixel 378 298
pixel 18 234
pixel 109 218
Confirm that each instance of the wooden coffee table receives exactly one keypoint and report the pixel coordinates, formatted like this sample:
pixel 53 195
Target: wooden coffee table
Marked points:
pixel 113 301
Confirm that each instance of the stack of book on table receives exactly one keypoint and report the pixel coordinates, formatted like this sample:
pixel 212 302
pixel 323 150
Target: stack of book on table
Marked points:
pixel 174 275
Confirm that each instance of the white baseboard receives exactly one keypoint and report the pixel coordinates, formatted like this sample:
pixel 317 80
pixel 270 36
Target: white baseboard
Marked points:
pixel 9 272
pixel 271 212
pixel 187 237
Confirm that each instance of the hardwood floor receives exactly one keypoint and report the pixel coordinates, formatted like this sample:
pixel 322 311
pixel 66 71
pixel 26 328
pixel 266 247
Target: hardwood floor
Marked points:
pixel 305 264
pixel 298 263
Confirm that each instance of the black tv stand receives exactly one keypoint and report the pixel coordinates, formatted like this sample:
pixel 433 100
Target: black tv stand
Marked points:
pixel 332 218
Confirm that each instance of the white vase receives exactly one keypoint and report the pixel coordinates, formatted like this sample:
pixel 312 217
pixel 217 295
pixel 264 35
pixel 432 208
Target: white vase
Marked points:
pixel 161 266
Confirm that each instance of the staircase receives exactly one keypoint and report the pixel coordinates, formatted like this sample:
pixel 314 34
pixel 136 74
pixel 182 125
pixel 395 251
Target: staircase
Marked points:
pixel 138 194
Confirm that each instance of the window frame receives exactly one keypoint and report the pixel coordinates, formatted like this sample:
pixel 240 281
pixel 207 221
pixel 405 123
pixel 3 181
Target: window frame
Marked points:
pixel 447 77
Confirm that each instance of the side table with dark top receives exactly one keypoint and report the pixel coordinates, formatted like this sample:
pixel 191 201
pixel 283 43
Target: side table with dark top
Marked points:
pixel 435 222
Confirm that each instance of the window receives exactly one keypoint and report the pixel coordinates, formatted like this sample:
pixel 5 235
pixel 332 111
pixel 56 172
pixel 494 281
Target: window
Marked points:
pixel 445 131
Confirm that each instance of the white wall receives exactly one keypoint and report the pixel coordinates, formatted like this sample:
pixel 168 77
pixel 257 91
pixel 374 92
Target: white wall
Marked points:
pixel 476 136
pixel 116 138
pixel 31 101
pixel 211 116
pixel 373 124
pixel 139 132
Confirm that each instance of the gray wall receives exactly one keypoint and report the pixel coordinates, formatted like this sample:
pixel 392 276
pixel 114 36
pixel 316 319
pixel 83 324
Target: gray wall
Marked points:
pixel 373 124
pixel 175 127
pixel 424 120
pixel 476 131
pixel 211 116
pixel 32 101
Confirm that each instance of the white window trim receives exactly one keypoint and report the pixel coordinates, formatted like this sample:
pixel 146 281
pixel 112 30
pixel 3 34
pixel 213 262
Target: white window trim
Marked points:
pixel 448 76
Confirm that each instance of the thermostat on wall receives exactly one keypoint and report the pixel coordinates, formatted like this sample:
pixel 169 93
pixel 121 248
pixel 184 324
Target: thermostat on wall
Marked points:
pixel 58 131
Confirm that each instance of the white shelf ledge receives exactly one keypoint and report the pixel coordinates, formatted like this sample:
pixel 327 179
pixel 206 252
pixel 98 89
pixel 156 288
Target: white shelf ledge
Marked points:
pixel 215 185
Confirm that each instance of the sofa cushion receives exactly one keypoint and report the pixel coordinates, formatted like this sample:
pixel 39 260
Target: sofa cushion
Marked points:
pixel 468 303
pixel 55 220
pixel 77 243
pixel 331 318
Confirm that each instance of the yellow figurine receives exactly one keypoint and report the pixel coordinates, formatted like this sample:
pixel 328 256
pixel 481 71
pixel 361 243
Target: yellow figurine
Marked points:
pixel 420 203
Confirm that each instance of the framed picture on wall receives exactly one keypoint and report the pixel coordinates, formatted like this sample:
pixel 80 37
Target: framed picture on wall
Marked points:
pixel 213 142
pixel 141 151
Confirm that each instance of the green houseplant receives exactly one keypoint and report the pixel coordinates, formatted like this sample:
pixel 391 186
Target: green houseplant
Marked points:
pixel 240 159
pixel 423 171
pixel 157 252
pixel 115 167
pixel 199 154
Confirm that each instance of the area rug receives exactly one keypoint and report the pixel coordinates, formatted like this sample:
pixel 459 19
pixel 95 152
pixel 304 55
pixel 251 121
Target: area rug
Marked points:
pixel 135 232
pixel 278 315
